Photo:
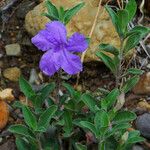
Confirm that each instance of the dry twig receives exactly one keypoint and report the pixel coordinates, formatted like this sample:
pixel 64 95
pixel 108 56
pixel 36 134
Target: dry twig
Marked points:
pixel 90 35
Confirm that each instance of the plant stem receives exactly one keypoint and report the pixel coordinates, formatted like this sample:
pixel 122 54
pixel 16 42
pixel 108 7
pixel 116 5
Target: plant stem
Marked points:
pixel 90 35
pixel 39 142
pixel 58 86
pixel 119 71
pixel 101 145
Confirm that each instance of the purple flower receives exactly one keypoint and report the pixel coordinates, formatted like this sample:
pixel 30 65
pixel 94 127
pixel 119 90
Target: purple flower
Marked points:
pixel 59 50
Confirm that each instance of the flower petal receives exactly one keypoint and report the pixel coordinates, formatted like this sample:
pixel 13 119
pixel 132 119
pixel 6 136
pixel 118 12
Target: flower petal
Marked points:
pixel 70 63
pixel 49 63
pixel 40 41
pixel 57 32
pixel 77 43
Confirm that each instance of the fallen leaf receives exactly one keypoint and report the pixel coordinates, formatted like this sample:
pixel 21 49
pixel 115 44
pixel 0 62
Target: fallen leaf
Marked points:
pixel 4 114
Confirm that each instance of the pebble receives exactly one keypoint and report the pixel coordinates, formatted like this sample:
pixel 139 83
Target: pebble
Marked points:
pixel 13 49
pixel 7 95
pixel 12 74
pixel 143 86
pixel 143 125
pixel 137 147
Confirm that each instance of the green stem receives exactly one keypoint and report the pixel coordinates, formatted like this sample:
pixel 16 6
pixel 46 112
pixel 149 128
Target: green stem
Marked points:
pixel 119 71
pixel 39 142
pixel 58 87
pixel 101 145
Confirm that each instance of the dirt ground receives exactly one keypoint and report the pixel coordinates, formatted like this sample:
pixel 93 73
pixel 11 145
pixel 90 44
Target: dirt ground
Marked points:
pixel 12 30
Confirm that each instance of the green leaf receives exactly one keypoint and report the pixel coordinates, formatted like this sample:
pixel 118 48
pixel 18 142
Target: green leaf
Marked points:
pixel 25 144
pixel 139 29
pixel 80 146
pixel 52 10
pixel 136 140
pixel 131 8
pixel 17 104
pixel 124 116
pixel 101 119
pixel 71 12
pixel 89 101
pixel 107 60
pixel 109 48
pixel 69 88
pixel 44 93
pixel 68 123
pixel 90 126
pixel 131 41
pixel 134 137
pixel 26 88
pixel 114 19
pixel 121 126
pixel 21 144
pixel 122 19
pixel 61 14
pixel 117 128
pixel 29 117
pixel 46 117
pixel 110 99
pixel 134 36
pixel 135 71
pixel 130 83
pixel 21 130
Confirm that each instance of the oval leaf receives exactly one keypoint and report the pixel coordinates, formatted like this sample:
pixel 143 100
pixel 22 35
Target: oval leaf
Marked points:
pixel 29 117
pixel 46 116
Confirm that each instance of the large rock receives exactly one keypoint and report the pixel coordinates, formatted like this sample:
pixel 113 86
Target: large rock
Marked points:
pixel 104 31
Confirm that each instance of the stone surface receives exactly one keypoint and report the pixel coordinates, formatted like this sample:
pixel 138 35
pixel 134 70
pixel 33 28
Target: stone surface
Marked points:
pixel 143 86
pixel 12 74
pixel 143 125
pixel 4 114
pixel 104 31
pixel 13 49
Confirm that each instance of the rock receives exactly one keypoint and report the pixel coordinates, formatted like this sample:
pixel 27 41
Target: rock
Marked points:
pixel 4 114
pixel 143 86
pixel 7 95
pixel 13 49
pixel 143 125
pixel 137 147
pixel 24 8
pixel 104 31
pixel 12 74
